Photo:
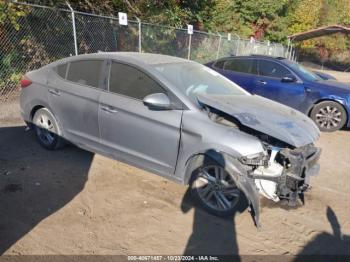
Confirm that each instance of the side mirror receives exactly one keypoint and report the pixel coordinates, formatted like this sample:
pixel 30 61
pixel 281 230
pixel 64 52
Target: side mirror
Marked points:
pixel 157 101
pixel 289 79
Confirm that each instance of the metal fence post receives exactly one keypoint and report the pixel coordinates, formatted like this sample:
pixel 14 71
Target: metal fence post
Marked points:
pixel 74 29
pixel 289 52
pixel 218 52
pixel 238 43
pixel 288 46
pixel 139 21
pixel 189 47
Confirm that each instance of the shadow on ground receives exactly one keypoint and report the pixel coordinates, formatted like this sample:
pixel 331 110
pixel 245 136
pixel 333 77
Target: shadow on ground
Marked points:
pixel 211 235
pixel 327 244
pixel 35 183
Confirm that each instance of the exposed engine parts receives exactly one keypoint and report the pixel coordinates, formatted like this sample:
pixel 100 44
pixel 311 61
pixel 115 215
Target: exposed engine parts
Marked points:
pixel 281 172
pixel 288 172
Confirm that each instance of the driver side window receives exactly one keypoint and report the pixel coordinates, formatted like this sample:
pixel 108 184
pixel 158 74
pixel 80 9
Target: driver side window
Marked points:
pixel 272 69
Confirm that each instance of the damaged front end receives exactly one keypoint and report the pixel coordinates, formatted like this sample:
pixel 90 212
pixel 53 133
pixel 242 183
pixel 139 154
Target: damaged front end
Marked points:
pixel 284 173
pixel 283 170
pixel 279 174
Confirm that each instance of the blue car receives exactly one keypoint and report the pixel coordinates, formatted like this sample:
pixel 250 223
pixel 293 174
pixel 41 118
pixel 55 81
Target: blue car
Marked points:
pixel 324 76
pixel 279 79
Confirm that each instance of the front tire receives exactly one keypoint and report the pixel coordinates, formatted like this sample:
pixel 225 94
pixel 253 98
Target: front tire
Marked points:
pixel 329 116
pixel 47 130
pixel 214 189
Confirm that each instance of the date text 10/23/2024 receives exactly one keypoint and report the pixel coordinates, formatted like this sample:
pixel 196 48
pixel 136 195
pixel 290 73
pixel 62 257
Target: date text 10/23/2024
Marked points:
pixel 173 258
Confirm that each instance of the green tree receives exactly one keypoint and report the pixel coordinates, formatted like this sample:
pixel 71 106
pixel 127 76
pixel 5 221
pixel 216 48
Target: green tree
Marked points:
pixel 173 12
pixel 226 18
pixel 10 12
pixel 250 17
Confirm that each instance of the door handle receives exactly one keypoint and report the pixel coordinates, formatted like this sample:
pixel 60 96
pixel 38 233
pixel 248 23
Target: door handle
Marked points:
pixel 54 92
pixel 262 82
pixel 109 109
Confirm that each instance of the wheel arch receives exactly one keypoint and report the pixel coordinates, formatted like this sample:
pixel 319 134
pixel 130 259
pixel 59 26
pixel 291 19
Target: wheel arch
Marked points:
pixel 197 159
pixel 33 106
pixel 338 101
pixel 39 105
pixel 34 110
pixel 235 169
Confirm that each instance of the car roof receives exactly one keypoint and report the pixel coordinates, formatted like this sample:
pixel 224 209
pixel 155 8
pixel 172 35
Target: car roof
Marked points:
pixel 257 56
pixel 134 57
pixel 141 60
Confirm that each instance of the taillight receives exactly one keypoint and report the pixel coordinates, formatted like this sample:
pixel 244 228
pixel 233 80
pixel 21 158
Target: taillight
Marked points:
pixel 25 82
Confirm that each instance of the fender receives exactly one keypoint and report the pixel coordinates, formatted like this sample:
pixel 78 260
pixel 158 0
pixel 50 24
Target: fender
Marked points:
pixel 38 102
pixel 333 98
pixel 28 108
pixel 236 170
pixel 35 95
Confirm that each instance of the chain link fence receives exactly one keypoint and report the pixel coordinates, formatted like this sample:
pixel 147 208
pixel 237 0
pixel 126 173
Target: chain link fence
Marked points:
pixel 47 34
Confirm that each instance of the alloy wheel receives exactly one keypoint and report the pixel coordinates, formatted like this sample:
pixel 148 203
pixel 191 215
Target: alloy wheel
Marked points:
pixel 216 188
pixel 45 129
pixel 329 117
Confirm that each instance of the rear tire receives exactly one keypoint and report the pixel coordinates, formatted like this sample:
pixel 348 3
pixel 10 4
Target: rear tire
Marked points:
pixel 329 116
pixel 213 188
pixel 47 130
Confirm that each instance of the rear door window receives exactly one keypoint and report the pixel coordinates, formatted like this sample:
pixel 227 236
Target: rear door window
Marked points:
pixel 85 72
pixel 129 81
pixel 220 64
pixel 240 65
pixel 61 70
pixel 272 69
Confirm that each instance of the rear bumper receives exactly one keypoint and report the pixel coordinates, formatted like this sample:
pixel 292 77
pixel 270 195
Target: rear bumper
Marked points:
pixel 23 110
pixel 24 116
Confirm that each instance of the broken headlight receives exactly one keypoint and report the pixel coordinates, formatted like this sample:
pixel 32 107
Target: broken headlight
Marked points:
pixel 259 159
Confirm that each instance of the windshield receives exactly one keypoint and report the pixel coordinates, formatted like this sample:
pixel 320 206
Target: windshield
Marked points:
pixel 193 79
pixel 303 72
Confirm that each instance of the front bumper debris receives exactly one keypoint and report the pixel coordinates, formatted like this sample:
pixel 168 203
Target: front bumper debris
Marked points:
pixel 298 165
pixel 288 175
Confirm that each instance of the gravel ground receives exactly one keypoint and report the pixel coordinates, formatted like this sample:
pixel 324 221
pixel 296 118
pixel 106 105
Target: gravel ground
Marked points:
pixel 74 202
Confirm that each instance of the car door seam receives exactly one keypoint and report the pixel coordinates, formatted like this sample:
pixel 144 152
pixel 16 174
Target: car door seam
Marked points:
pixel 179 143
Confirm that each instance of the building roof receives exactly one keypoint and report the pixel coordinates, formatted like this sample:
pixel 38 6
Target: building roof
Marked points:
pixel 321 31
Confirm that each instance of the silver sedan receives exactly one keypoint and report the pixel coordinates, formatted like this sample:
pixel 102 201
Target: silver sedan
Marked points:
pixel 178 119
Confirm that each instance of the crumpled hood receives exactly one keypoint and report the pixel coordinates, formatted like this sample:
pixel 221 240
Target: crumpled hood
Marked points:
pixel 266 116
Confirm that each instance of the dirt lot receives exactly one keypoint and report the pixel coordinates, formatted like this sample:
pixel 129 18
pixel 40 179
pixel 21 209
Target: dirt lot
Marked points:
pixel 74 202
